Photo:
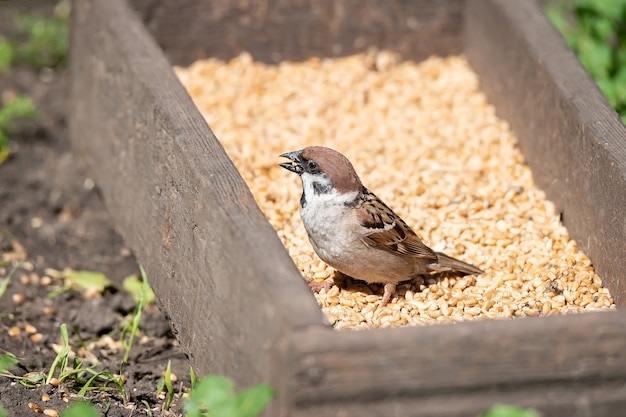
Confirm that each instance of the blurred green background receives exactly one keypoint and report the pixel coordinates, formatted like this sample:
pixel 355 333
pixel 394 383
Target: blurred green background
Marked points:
pixel 596 32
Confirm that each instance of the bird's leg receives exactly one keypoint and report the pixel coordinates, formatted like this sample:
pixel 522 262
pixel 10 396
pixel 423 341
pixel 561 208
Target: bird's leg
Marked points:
pixel 390 289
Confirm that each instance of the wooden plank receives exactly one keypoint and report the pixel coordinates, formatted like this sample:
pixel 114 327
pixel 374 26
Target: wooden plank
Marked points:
pixel 220 272
pixel 570 136
pixel 235 298
pixel 481 359
pixel 274 30
pixel 552 400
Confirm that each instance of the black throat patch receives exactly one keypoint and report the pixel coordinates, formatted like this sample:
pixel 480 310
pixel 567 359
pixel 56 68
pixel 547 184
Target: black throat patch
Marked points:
pixel 321 188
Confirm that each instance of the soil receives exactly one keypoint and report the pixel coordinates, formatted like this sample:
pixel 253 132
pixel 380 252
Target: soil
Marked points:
pixel 52 218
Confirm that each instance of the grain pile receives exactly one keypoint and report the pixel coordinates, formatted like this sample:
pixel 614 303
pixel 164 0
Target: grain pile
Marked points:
pixel 423 138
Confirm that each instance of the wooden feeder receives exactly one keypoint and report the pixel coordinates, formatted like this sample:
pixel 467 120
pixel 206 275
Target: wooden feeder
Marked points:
pixel 236 301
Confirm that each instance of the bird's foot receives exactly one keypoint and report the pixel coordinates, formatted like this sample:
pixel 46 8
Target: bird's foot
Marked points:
pixel 316 287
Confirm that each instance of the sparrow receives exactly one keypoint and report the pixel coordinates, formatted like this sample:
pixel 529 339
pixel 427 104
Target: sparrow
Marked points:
pixel 354 231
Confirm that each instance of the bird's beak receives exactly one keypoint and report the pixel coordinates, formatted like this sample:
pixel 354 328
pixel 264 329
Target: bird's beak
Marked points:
pixel 296 161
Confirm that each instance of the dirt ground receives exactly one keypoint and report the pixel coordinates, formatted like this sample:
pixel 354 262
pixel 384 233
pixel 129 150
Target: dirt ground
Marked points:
pixel 51 216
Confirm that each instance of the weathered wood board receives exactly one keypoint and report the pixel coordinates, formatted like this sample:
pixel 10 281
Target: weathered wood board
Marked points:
pixel 236 301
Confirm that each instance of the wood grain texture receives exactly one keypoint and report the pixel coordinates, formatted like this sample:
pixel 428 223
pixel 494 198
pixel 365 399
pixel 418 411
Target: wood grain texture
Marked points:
pixel 600 398
pixel 572 139
pixel 235 299
pixel 274 30
pixel 491 359
pixel 219 271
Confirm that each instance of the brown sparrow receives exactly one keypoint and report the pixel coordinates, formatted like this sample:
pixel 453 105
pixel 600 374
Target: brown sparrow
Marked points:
pixel 353 231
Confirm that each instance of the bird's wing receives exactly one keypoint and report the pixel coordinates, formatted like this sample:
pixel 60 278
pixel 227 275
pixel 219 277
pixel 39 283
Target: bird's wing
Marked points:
pixel 388 231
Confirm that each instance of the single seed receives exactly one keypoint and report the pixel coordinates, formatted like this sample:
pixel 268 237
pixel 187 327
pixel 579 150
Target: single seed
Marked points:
pixel 18 298
pixel 35 408
pixel 49 310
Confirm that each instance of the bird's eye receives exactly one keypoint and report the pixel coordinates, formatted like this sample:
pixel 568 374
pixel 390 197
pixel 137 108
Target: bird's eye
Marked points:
pixel 312 166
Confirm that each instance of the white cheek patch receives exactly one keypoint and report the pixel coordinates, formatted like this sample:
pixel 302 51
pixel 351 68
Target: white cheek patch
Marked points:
pixel 315 185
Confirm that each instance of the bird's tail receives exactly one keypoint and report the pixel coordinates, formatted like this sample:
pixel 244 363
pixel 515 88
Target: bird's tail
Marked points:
pixel 448 263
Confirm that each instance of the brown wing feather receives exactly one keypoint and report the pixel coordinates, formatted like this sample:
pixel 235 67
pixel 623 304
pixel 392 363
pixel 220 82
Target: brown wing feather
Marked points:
pixel 388 231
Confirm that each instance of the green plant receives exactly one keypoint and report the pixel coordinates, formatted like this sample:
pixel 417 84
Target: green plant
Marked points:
pixel 504 410
pixel 84 280
pixel 81 409
pixel 87 379
pixel 62 356
pixel 166 382
pixel 46 39
pixel 84 379
pixel 5 282
pixel 136 287
pixel 6 363
pixel 17 108
pixel 131 328
pixel 596 32
pixel 214 396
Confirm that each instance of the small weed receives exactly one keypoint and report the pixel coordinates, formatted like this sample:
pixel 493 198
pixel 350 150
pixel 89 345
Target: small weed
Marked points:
pixel 192 377
pixel 5 282
pixel 83 379
pixel 6 362
pixel 88 379
pixel 62 356
pixel 131 327
pixel 46 39
pixel 81 409
pixel 148 409
pixel 166 382
pixel 82 280
pixel 135 286
pixel 18 108
pixel 214 396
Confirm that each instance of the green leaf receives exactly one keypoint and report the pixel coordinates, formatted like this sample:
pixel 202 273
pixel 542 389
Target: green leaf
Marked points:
pixel 7 362
pixel 81 409
pixel 168 385
pixel 88 280
pixel 135 286
pixel 608 9
pixel 602 29
pixel 502 410
pixel 214 393
pixel 19 107
pixel 47 40
pixel 252 400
